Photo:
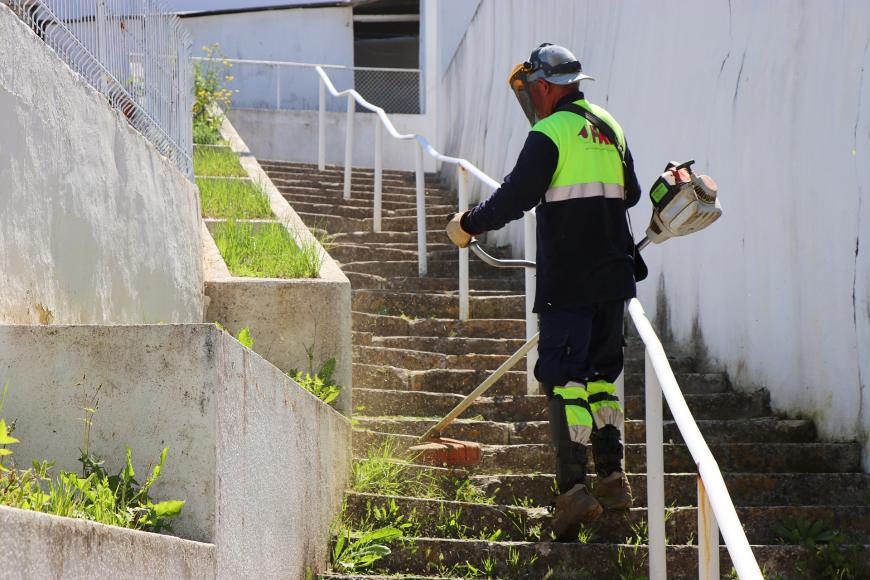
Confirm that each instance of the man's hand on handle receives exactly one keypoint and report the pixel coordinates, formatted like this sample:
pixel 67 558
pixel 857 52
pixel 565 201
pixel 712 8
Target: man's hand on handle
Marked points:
pixel 455 232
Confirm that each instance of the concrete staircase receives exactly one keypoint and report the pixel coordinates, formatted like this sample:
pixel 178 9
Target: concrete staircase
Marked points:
pixel 413 361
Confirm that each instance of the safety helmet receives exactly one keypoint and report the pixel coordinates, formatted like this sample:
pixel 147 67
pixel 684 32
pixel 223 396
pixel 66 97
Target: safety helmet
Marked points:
pixel 550 62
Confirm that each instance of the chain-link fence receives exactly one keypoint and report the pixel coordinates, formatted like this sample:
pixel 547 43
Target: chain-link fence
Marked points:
pixel 135 52
pixel 260 84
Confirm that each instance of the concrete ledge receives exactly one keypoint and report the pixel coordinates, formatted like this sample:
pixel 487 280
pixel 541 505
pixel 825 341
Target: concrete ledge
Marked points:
pixel 42 546
pixel 286 316
pixel 261 463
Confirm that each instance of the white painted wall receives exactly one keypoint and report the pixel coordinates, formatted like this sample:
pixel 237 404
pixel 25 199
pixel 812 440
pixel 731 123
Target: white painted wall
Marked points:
pixel 310 35
pixel 95 225
pixel 772 100
pixel 292 136
pixel 454 16
pixel 207 5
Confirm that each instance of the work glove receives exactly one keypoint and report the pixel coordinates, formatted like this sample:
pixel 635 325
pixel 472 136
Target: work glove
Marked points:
pixel 455 232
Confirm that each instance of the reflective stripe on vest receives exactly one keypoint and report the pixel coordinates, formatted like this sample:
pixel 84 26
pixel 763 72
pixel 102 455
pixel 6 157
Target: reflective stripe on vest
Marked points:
pixel 589 165
pixel 583 190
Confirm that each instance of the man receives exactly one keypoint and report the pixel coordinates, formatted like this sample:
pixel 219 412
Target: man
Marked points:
pixel 582 184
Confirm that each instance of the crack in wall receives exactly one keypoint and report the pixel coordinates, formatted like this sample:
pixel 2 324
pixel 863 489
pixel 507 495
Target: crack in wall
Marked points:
pixel 861 386
pixel 739 76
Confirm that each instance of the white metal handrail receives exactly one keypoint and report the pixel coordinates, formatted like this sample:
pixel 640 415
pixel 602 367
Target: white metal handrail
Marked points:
pixel 715 509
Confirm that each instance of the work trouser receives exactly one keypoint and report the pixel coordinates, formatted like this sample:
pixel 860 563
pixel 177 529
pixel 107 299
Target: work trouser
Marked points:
pixel 579 358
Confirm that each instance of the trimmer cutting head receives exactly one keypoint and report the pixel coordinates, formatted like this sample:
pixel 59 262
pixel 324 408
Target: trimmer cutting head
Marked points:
pixel 683 203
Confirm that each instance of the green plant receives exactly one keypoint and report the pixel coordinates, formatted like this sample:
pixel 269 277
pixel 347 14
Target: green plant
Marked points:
pixel 449 524
pixel 465 491
pixel 117 500
pixel 319 382
pixel 268 250
pixel 353 554
pixel 212 98
pixel 388 515
pixel 216 162
pixel 631 561
pixel 232 198
pixel 828 552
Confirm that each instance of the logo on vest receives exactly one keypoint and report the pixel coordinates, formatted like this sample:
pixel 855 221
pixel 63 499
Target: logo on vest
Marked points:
pixel 589 132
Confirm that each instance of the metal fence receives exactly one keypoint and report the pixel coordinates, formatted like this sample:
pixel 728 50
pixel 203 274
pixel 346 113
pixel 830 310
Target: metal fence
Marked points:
pixel 265 84
pixel 135 52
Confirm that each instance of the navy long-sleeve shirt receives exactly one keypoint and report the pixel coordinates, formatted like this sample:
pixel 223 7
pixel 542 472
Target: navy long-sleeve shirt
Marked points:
pixel 525 187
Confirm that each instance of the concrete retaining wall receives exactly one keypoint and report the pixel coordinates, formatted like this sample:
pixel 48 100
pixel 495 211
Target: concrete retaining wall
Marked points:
pixel 42 546
pixel 95 225
pixel 261 463
pixel 771 99
pixel 286 317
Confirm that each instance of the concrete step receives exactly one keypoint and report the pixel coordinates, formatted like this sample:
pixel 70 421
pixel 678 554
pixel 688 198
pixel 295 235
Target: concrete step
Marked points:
pixel 336 223
pixel 268 164
pixel 731 457
pixel 435 518
pixel 432 196
pixel 766 429
pixel 475 328
pixel 336 180
pixel 359 253
pixel 411 402
pixel 323 197
pixel 428 305
pixel 440 268
pixel 421 359
pixel 364 197
pixel 681 489
pixel 572 561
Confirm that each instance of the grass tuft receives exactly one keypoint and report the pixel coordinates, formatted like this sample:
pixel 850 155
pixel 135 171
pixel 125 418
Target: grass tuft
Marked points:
pixel 266 251
pixel 233 198
pixel 217 162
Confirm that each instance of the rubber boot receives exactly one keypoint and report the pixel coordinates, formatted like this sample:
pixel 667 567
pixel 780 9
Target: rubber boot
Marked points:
pixel 573 509
pixel 612 488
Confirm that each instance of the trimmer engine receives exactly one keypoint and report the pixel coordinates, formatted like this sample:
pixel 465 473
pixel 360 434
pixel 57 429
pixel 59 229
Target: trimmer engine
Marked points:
pixel 683 203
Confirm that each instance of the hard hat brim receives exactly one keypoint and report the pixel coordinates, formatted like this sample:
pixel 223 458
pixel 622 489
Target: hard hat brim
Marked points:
pixel 565 79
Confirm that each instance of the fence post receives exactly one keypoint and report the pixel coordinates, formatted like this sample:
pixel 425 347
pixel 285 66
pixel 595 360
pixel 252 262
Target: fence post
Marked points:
pixel 376 220
pixel 321 128
pixel 655 473
pixel 348 145
pixel 422 261
pixel 462 177
pixel 530 244
pixel 708 536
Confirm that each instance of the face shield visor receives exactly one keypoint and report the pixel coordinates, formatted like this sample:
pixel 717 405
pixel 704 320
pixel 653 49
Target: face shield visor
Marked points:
pixel 519 83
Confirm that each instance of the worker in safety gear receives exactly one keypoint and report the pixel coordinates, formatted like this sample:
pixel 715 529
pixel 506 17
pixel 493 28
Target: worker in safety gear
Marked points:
pixel 581 186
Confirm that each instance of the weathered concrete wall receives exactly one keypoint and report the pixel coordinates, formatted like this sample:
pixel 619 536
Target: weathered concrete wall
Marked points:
pixel 95 225
pixel 292 136
pixel 261 463
pixel 43 546
pixel 155 388
pixel 771 99
pixel 286 317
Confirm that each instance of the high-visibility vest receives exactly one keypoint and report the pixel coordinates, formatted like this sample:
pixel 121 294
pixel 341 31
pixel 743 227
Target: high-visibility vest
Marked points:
pixel 589 165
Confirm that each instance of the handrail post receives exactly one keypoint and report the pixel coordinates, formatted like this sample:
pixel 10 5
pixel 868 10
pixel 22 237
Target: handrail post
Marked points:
pixel 708 536
pixel 530 245
pixel 321 127
pixel 378 192
pixel 462 177
pixel 422 262
pixel 348 145
pixel 655 473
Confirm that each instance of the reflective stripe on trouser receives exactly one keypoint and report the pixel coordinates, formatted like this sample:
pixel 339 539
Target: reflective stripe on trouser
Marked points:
pixel 570 427
pixel 604 404
pixel 577 411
